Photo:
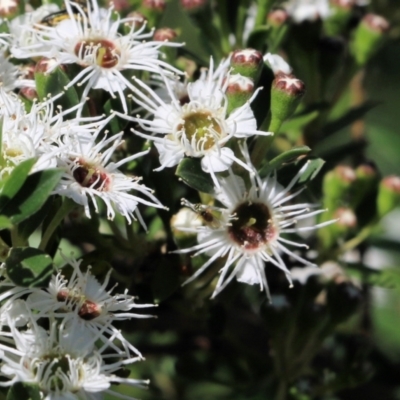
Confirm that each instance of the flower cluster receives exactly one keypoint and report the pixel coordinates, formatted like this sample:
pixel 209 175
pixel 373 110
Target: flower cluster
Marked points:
pixel 101 109
pixel 62 337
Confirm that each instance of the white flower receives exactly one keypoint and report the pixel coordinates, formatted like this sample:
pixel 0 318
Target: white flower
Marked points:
pixel 90 175
pixel 10 79
pixel 91 40
pixel 201 127
pixel 277 64
pixel 249 229
pixel 308 10
pixel 64 362
pixel 22 27
pixel 83 298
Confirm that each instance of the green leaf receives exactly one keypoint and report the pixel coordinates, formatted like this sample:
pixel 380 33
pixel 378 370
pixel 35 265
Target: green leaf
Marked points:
pixel 284 158
pixel 54 84
pixel 33 194
pixel 29 225
pixel 23 391
pixel 311 171
pixel 29 267
pixel 15 181
pixel 189 170
pixel 351 116
pixel 5 222
pixel 297 122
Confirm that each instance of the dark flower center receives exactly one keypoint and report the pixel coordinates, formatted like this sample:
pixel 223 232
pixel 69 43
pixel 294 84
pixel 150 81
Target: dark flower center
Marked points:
pixel 252 226
pixel 91 177
pixel 106 54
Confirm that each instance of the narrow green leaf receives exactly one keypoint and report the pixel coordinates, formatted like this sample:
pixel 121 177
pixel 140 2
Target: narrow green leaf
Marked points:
pixel 23 391
pixel 311 171
pixel 351 116
pixel 189 170
pixel 15 181
pixel 297 122
pixel 284 158
pixel 33 194
pixel 29 267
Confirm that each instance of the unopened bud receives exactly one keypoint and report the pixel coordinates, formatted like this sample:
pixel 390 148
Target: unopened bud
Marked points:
pixel 247 62
pixel 28 71
pixel 239 89
pixel 165 35
pixel 277 17
pixel 136 19
pixel 338 20
pixel 9 8
pixel 28 93
pixel 346 218
pixel 47 64
pixel 119 5
pixel 388 195
pixel 337 185
pixel 154 5
pixel 286 94
pixel 193 5
pixel 368 37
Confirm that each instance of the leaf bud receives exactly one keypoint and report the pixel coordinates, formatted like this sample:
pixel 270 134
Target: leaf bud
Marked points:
pixel 277 18
pixel 366 182
pixel 154 5
pixel 193 5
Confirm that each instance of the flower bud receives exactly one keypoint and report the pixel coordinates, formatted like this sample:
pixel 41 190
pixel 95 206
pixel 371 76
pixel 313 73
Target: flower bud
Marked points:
pixel 286 94
pixel 277 18
pixel 388 195
pixel 9 9
pixel 193 5
pixel 28 93
pixel 154 5
pixel 338 20
pixel 239 89
pixel 368 37
pixel 45 64
pixel 247 62
pixel 136 19
pixel 119 5
pixel 276 22
pixel 336 186
pixel 165 35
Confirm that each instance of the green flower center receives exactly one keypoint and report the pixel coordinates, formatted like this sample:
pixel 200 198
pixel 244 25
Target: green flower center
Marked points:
pixel 203 129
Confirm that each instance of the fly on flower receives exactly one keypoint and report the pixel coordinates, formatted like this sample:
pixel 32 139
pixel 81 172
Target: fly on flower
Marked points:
pixel 209 215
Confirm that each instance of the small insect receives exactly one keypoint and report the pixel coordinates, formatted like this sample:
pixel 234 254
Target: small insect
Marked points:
pixel 206 213
pixel 55 18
